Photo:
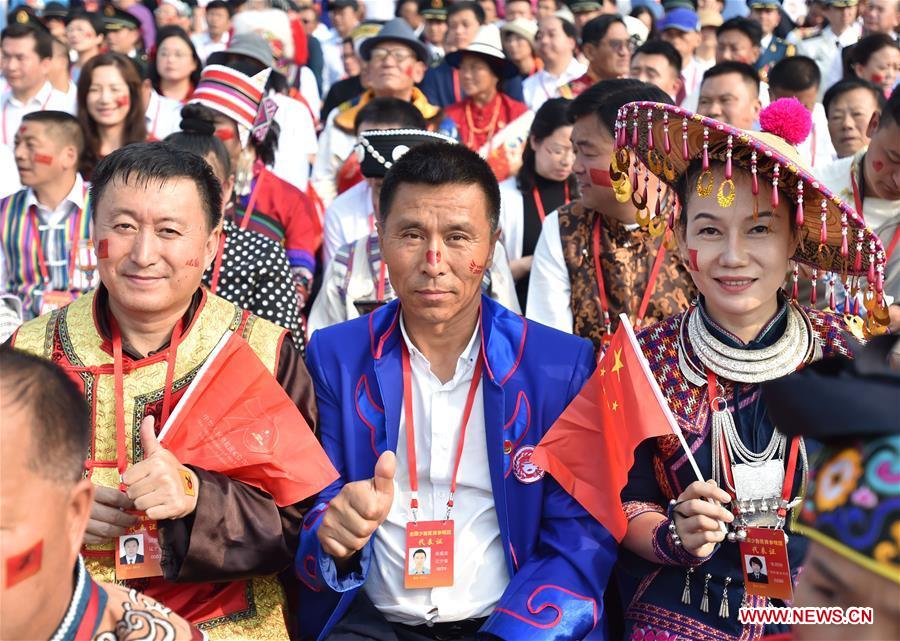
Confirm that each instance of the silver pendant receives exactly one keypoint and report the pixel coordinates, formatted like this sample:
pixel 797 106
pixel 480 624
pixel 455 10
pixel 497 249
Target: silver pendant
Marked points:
pixel 758 489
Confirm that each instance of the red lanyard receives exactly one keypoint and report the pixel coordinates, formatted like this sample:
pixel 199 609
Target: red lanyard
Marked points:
pixel 251 205
pixel 217 264
pixel 42 261
pixel 712 384
pixel 539 202
pixel 119 375
pixel 411 430
pixel 382 276
pixel 457 94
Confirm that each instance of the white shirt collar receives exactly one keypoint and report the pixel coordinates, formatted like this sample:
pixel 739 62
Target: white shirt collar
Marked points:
pixel 75 196
pixel 41 97
pixel 466 359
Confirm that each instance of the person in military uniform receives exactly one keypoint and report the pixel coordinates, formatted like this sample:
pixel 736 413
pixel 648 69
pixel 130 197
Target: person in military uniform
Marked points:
pixel 435 33
pixel 584 11
pixel 123 33
pixel 842 31
pixel 771 48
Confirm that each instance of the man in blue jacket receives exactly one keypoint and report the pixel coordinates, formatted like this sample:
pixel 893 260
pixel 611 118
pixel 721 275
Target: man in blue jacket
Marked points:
pixel 430 408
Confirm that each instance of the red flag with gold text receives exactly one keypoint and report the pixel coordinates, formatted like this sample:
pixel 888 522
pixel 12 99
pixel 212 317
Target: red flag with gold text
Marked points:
pixel 589 450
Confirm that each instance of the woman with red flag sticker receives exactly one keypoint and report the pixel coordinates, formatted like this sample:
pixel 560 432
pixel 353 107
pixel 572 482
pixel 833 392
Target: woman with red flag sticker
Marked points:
pixel 694 551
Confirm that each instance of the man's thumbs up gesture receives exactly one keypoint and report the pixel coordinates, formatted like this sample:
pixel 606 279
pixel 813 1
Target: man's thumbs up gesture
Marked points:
pixel 357 511
pixel 160 485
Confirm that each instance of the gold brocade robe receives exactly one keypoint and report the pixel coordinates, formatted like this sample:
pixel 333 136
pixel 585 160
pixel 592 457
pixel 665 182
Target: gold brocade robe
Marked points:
pixel 229 610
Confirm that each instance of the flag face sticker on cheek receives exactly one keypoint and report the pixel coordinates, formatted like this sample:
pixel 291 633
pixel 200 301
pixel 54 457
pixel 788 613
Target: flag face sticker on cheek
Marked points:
pixel 103 249
pixel 44 159
pixel 692 260
pixel 24 565
pixel 601 178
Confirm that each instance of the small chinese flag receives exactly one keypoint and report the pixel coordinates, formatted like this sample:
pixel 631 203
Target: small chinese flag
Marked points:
pixel 590 448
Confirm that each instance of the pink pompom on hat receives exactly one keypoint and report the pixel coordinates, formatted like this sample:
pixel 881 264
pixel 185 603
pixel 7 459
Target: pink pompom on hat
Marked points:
pixel 663 140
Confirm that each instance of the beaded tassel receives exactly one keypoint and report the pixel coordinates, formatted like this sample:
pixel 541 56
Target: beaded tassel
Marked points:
pixel 823 232
pixel 831 302
pixel 871 273
pixel 634 128
pixel 686 594
pixel 705 149
pixel 775 172
pixel 620 130
pixel 879 274
pixel 658 197
pixel 650 129
pixel 704 602
pixel 635 175
pixel 799 203
pixel 728 159
pixel 795 277
pixel 667 146
pixel 684 146
pixel 812 293
pixel 646 184
pixel 755 187
pixel 857 261
pixel 723 608
pixel 845 249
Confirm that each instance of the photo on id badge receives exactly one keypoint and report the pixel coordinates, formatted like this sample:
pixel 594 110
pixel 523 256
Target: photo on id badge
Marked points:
pixel 756 568
pixel 419 561
pixel 131 549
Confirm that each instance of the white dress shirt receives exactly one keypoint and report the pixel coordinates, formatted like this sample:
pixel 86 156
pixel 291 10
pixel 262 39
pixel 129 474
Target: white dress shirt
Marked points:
pixel 824 47
pixel 296 142
pixel 480 574
pixel 692 73
pixel 349 217
pixel 14 110
pixel 205 45
pixel 163 116
pixel 9 173
pixel 817 148
pixel 543 85
pixel 549 287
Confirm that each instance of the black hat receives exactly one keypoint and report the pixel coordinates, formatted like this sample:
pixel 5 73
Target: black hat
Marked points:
pixel 54 10
pixel 583 6
pixel 115 19
pixel 332 5
pixel 25 16
pixel 378 150
pixel 95 19
pixel 433 9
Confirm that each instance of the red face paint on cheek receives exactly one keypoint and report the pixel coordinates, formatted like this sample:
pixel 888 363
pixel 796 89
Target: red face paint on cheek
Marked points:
pixel 24 565
pixel 877 78
pixel 877 165
pixel 103 249
pixel 600 177
pixel 692 261
pixel 44 159
pixel 193 262
pixel 433 257
pixel 224 134
pixel 123 101
pixel 475 268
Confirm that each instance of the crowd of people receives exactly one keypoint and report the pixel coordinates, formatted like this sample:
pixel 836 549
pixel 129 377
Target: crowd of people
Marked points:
pixel 248 247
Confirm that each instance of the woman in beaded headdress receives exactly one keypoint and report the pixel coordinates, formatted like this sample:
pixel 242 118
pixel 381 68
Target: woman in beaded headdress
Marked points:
pixel 747 209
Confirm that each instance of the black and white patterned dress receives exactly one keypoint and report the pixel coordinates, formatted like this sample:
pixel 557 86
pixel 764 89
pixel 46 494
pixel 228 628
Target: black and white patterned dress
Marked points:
pixel 256 276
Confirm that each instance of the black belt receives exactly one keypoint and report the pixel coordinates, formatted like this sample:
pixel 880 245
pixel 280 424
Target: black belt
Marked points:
pixel 449 631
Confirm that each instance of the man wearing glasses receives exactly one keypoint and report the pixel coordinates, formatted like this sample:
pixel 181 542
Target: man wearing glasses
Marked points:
pixel 607 47
pixel 394 61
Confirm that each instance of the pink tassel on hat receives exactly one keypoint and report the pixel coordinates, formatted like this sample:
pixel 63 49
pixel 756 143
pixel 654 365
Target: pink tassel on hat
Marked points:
pixel 775 172
pixel 684 146
pixel 787 118
pixel 812 293
pixel 728 159
pixel 845 249
pixel 823 232
pixel 705 149
pixel 667 146
pixel 649 129
pixel 857 261
pixel 799 216
pixel 871 273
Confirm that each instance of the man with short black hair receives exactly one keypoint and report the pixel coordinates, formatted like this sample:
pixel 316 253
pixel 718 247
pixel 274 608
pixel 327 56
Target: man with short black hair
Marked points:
pixel 123 33
pixel 563 290
pixel 218 29
pixel 849 107
pixel 730 93
pixel 658 63
pixel 607 47
pixel 345 17
pixel 556 45
pixel 798 77
pixel 27 48
pixel 47 592
pixel 424 408
pixel 519 9
pixel 45 229
pixel 135 345
pixel 738 40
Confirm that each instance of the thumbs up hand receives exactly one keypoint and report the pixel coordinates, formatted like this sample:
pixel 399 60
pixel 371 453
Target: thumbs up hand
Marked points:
pixel 357 511
pixel 160 485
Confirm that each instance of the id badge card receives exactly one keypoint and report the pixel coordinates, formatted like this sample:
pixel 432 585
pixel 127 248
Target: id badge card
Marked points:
pixel 52 299
pixel 138 554
pixel 429 555
pixel 764 561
